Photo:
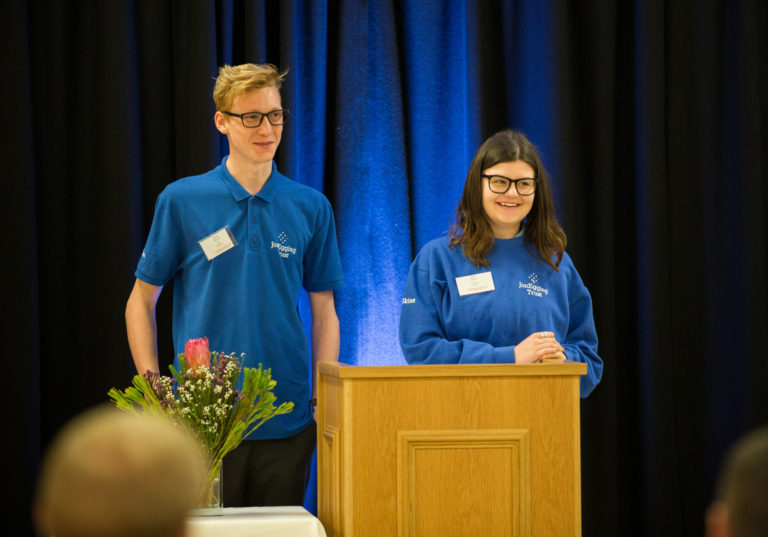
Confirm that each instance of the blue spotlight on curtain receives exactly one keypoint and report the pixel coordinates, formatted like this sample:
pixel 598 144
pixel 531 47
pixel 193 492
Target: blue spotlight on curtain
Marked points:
pixel 442 117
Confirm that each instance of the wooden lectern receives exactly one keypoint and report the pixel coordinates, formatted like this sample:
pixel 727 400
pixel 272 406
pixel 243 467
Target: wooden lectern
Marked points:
pixel 449 450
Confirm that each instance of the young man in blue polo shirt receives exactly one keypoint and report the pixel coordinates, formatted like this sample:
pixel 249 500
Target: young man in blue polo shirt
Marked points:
pixel 239 242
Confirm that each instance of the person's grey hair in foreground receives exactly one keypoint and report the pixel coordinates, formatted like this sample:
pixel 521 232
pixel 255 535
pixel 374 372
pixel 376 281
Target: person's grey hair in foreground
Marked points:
pixel 109 473
pixel 741 507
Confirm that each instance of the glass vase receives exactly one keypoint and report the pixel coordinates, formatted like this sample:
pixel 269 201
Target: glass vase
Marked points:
pixel 211 498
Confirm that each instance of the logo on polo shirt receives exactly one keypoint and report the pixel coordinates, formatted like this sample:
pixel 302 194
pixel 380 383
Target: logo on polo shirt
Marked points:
pixel 532 288
pixel 283 249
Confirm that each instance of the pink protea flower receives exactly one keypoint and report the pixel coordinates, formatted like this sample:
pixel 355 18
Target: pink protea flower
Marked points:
pixel 197 353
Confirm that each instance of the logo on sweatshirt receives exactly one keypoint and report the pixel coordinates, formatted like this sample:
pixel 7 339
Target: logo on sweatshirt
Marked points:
pixel 532 288
pixel 283 249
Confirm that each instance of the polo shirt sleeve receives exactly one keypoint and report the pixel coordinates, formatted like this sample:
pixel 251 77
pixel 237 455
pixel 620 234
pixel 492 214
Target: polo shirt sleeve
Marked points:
pixel 163 250
pixel 322 266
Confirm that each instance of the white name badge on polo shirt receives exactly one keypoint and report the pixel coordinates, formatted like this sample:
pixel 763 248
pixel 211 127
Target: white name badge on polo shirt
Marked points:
pixel 481 282
pixel 217 243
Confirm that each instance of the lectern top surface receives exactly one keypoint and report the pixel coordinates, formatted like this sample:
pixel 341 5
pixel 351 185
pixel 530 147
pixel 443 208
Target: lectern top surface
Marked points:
pixel 341 370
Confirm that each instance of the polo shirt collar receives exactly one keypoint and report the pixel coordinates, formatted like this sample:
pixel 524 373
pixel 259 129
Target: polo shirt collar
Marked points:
pixel 266 193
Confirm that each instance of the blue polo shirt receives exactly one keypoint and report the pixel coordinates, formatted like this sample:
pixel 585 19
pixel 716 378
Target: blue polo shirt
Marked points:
pixel 245 299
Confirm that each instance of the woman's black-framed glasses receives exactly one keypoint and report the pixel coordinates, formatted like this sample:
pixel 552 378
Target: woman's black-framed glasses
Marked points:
pixel 525 186
pixel 252 120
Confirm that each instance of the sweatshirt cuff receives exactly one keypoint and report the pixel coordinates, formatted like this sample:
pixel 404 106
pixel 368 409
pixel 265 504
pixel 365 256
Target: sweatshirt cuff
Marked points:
pixel 504 355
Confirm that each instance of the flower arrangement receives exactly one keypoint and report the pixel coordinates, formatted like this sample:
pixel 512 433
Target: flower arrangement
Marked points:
pixel 202 395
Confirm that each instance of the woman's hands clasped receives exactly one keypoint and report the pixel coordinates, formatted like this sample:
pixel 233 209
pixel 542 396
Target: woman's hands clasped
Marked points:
pixel 539 346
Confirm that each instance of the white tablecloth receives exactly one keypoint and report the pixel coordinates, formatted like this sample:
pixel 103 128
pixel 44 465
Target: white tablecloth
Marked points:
pixel 285 521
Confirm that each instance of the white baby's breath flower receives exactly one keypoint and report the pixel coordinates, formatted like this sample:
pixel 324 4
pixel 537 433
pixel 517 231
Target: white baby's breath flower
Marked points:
pixel 207 406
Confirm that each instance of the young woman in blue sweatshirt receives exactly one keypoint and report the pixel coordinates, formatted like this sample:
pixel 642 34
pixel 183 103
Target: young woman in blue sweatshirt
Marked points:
pixel 500 288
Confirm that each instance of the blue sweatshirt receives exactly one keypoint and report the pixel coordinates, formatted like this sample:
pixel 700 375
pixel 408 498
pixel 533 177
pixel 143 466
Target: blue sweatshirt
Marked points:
pixel 440 326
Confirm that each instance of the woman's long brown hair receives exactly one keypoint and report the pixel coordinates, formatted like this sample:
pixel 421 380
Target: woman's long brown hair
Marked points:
pixel 472 229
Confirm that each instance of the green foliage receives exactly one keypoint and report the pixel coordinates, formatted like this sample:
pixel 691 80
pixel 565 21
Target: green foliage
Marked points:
pixel 206 401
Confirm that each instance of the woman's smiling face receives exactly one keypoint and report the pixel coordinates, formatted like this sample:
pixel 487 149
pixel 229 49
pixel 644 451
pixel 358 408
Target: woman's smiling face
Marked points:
pixel 506 211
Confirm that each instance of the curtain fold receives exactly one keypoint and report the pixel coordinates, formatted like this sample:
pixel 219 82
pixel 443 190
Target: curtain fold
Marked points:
pixel 20 312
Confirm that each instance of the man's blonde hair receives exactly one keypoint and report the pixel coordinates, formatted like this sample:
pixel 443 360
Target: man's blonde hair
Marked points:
pixel 236 80
pixel 113 473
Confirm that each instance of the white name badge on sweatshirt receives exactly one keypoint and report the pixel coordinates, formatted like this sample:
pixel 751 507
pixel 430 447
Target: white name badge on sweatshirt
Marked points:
pixel 217 243
pixel 481 282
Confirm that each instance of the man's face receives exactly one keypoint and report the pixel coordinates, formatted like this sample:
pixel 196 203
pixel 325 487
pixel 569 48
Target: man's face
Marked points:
pixel 255 145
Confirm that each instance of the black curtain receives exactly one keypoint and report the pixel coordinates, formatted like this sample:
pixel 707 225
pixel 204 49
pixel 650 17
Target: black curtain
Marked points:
pixel 651 117
pixel 666 119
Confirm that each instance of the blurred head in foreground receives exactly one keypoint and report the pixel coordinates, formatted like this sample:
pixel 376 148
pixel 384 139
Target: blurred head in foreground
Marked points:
pixel 109 473
pixel 741 508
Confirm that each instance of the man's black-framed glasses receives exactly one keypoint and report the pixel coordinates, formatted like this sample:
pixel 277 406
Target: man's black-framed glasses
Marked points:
pixel 252 120
pixel 525 186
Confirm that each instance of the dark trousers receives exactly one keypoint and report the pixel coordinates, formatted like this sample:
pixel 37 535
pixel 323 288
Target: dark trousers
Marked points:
pixel 269 472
